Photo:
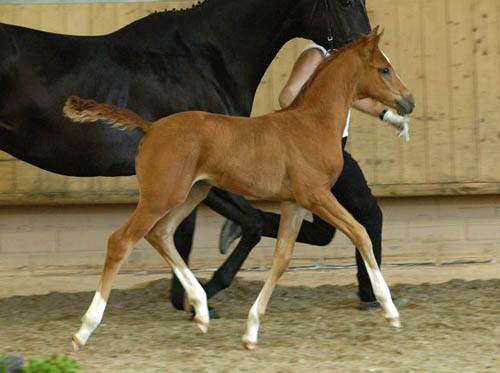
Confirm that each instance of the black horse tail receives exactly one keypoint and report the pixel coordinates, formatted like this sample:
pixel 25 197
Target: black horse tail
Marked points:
pixel 81 110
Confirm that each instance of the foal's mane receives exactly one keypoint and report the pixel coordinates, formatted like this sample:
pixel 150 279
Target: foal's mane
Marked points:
pixel 355 44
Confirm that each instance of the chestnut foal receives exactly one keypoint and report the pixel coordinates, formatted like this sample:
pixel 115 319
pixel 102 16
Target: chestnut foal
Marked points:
pixel 292 155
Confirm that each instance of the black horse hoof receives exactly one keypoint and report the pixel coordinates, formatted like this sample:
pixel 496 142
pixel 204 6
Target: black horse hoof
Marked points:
pixel 229 233
pixel 212 312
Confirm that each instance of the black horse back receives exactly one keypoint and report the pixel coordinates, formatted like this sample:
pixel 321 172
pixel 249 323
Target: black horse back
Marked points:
pixel 211 57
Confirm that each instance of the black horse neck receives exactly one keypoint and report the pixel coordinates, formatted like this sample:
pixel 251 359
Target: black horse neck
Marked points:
pixel 262 26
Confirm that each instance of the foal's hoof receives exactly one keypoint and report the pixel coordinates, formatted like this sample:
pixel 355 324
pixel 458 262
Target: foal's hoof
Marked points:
pixel 201 324
pixel 393 321
pixel 248 344
pixel 77 345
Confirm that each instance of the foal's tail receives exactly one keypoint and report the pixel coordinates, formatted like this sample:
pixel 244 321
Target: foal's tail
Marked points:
pixel 82 110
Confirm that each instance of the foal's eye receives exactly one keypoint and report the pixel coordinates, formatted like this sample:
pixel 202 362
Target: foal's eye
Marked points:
pixel 385 71
pixel 346 3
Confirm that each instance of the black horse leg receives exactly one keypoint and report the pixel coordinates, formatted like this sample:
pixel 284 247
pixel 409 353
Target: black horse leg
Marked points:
pixel 239 210
pixel 318 232
pixel 183 239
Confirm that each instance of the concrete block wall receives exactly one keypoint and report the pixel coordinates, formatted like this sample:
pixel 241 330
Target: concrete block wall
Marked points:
pixel 425 229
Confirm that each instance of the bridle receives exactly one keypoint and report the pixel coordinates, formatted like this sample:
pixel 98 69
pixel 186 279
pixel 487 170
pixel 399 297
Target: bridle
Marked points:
pixel 330 37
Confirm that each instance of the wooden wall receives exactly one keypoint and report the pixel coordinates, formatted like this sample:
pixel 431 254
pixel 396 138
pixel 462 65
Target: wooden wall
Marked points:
pixel 447 52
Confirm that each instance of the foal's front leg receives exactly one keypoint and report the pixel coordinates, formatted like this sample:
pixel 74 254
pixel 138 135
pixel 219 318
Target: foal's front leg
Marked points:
pixel 291 219
pixel 183 239
pixel 326 206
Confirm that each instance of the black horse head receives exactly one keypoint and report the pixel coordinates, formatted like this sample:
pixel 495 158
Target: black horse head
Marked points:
pixel 334 23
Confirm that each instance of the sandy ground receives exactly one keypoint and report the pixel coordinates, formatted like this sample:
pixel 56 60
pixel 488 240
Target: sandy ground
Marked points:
pixel 312 323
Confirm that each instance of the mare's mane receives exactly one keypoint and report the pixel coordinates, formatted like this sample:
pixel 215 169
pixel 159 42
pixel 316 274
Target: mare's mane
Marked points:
pixel 191 8
pixel 355 44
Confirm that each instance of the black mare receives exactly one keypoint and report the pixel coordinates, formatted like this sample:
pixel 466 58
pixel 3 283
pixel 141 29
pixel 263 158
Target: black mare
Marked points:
pixel 210 57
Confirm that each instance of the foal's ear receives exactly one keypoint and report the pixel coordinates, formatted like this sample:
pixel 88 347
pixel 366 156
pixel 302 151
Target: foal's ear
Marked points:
pixel 373 32
pixel 371 43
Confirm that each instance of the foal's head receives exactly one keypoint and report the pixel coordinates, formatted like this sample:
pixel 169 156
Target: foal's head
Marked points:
pixel 378 79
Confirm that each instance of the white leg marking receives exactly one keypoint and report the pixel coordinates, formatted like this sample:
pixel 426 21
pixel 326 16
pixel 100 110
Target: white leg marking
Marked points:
pixel 90 320
pixel 383 295
pixel 196 296
pixel 250 337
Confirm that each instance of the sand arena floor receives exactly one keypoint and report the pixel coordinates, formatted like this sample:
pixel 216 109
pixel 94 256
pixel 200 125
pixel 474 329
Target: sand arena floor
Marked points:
pixel 312 325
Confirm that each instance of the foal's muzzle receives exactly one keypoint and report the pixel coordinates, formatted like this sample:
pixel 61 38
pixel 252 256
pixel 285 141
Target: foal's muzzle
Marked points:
pixel 405 104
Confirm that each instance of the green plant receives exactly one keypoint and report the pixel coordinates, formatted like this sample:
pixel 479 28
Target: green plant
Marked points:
pixel 56 364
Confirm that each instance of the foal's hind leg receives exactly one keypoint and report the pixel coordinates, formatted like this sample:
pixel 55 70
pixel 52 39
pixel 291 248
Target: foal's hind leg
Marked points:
pixel 325 205
pixel 161 237
pixel 291 218
pixel 120 244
